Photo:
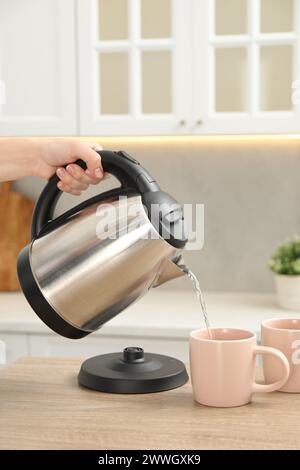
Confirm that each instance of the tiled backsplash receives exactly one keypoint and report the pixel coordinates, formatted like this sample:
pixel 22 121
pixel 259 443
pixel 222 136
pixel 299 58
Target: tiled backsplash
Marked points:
pixel 251 192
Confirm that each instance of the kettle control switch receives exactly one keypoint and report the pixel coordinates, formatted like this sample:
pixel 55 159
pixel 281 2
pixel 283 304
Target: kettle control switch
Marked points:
pixel 145 182
pixel 128 157
pixel 145 178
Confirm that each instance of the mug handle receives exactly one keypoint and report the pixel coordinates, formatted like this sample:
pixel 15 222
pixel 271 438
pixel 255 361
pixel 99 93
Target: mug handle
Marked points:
pixel 264 388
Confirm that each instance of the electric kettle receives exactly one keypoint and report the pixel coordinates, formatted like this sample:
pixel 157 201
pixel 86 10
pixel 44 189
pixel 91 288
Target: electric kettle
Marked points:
pixel 87 265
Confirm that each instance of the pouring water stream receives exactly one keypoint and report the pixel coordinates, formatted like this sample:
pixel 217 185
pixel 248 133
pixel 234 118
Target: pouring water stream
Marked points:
pixel 193 278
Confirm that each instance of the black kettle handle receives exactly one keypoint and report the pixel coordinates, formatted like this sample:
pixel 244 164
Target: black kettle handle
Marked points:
pixel 121 165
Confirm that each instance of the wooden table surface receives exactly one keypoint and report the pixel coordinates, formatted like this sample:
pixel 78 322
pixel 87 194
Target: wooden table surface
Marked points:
pixel 42 407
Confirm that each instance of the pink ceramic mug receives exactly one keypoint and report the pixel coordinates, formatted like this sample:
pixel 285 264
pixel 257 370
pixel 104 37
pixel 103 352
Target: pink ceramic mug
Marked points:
pixel 223 368
pixel 283 334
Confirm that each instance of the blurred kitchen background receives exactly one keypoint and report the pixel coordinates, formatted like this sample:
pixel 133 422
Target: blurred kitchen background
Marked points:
pixel 206 94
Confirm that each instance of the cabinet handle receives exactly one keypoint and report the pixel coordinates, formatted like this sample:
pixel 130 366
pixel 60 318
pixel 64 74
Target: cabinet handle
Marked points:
pixel 182 122
pixel 199 122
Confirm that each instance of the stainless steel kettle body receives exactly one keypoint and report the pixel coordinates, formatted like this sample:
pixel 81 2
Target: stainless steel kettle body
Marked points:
pixel 88 265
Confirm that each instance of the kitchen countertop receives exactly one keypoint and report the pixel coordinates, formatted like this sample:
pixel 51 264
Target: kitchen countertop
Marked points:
pixel 42 407
pixel 165 313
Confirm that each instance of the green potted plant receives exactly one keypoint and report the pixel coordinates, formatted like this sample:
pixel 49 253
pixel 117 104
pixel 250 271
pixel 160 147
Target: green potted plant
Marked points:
pixel 285 263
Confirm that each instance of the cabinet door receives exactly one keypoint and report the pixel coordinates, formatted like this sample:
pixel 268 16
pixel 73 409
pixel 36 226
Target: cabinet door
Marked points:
pixel 134 62
pixel 246 67
pixel 37 67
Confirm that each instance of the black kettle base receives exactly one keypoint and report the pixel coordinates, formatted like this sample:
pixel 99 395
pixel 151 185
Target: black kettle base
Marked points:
pixel 132 371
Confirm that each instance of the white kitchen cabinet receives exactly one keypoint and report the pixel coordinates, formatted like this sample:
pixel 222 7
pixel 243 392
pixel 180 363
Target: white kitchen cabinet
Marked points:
pixel 149 323
pixel 247 66
pixel 16 345
pixel 37 67
pixel 149 67
pixel 55 346
pixel 193 67
pixel 49 345
pixel 134 67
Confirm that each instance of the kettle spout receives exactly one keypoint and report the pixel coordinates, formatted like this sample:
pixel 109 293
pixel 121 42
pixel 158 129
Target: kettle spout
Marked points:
pixel 171 269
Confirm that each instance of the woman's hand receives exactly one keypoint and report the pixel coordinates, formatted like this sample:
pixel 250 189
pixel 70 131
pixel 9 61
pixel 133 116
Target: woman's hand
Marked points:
pixel 58 153
pixel 25 156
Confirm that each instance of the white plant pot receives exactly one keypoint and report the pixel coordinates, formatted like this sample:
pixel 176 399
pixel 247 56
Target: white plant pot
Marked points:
pixel 288 291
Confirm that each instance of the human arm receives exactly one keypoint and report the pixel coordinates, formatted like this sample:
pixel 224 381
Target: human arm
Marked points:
pixel 43 158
